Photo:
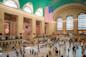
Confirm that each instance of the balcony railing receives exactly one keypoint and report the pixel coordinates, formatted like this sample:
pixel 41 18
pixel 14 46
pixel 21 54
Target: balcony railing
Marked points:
pixel 10 42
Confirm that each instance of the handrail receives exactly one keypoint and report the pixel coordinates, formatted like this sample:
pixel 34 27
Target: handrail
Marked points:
pixel 3 38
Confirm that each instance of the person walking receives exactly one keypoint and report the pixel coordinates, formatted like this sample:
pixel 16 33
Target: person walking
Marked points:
pixel 30 51
pixel 47 55
pixel 16 53
pixel 84 55
pixel 79 51
pixel 7 55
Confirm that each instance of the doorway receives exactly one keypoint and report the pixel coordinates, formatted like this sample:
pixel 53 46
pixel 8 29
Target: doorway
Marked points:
pixel 10 24
pixel 27 28
pixel 38 27
pixel 46 28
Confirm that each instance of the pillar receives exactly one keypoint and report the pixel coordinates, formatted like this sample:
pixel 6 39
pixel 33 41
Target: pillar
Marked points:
pixel 64 25
pixel 42 27
pixel 33 28
pixel 20 24
pixel 1 21
pixel 76 24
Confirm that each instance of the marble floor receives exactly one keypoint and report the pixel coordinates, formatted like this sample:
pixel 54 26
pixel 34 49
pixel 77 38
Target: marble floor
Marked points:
pixel 58 49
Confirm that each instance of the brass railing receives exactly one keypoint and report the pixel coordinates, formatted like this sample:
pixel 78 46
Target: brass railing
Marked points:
pixel 10 42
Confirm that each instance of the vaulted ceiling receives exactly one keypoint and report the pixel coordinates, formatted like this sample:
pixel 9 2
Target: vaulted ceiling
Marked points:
pixel 51 3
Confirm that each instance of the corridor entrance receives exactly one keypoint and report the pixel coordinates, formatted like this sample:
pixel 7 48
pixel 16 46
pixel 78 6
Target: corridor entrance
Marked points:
pixel 10 24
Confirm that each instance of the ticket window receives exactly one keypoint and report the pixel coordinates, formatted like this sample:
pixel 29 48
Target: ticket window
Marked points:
pixel 10 24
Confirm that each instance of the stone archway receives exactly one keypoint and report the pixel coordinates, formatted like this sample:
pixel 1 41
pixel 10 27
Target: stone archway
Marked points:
pixel 69 10
pixel 66 7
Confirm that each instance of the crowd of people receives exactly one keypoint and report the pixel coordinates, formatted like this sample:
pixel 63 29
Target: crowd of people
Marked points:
pixel 66 47
pixel 62 46
pixel 70 47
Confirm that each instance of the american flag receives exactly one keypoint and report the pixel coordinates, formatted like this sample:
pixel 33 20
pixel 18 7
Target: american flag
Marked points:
pixel 48 14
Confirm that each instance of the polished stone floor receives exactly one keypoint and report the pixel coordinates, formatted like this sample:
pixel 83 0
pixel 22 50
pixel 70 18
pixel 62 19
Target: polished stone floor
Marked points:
pixel 63 47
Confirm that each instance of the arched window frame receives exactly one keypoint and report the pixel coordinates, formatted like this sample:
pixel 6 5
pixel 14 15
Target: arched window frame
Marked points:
pixel 59 23
pixel 28 6
pixel 9 3
pixel 39 12
pixel 69 22
pixel 82 21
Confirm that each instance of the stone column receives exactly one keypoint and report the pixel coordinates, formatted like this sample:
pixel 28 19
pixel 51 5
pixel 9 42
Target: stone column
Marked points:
pixel 42 27
pixel 64 25
pixel 49 28
pixel 76 24
pixel 33 28
pixel 20 24
pixel 1 21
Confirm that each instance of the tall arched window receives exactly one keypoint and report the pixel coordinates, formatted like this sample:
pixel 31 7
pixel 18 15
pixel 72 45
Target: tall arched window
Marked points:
pixel 82 21
pixel 69 23
pixel 60 24
pixel 10 3
pixel 28 8
pixel 39 12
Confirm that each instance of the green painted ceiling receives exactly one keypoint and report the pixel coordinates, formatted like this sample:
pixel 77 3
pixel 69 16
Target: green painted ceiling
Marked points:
pixel 52 3
pixel 1 0
pixel 63 2
pixel 36 3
